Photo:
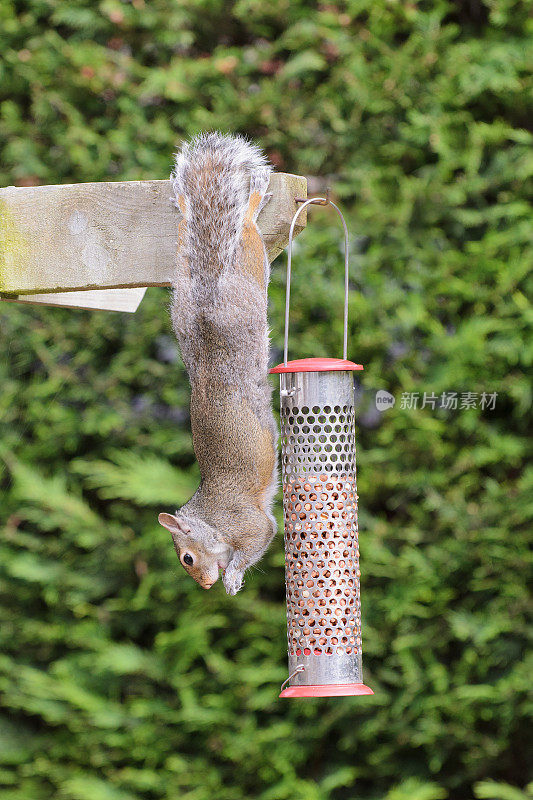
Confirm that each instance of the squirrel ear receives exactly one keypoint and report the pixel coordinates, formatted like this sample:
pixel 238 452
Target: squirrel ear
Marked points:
pixel 173 524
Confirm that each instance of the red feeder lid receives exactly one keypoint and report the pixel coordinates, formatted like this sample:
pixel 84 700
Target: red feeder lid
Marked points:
pixel 316 365
pixel 327 690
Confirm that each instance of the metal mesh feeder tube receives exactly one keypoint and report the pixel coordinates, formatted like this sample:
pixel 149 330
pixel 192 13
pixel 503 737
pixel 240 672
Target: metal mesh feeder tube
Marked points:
pixel 322 578
pixel 321 538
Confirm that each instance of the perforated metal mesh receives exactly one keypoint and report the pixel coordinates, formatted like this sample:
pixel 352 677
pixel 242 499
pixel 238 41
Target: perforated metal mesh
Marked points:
pixel 318 438
pixel 321 538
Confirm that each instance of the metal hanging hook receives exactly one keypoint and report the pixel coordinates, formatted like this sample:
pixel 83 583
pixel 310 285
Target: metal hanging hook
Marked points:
pixel 299 668
pixel 323 201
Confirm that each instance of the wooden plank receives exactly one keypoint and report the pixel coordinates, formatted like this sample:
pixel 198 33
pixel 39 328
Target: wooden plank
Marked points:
pixel 109 235
pixel 103 299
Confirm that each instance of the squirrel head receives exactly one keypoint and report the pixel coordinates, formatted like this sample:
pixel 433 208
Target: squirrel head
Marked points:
pixel 201 550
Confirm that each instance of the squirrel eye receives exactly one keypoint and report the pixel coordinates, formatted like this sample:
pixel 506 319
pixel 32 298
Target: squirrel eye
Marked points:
pixel 187 559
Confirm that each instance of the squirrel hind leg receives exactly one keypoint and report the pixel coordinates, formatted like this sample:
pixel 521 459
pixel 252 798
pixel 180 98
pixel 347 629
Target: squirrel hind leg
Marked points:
pixel 254 260
pixel 259 180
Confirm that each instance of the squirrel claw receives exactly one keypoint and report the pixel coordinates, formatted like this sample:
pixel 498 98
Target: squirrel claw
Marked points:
pixel 232 581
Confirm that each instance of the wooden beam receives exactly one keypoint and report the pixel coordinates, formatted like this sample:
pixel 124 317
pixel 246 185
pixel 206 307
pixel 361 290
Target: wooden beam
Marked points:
pixel 96 299
pixel 109 235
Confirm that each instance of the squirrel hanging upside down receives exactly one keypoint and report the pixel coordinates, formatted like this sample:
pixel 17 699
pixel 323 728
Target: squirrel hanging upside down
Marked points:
pixel 219 315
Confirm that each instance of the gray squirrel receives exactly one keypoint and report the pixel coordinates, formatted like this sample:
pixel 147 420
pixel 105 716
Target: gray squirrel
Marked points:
pixel 219 315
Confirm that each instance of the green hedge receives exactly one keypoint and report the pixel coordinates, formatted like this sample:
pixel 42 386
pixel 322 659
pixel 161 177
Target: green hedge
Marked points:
pixel 119 678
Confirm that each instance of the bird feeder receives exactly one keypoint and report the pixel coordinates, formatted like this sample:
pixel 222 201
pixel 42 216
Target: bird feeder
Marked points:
pixel 320 511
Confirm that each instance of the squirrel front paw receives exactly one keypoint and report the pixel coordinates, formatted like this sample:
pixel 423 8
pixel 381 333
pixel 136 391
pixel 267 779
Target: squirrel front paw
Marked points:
pixel 233 579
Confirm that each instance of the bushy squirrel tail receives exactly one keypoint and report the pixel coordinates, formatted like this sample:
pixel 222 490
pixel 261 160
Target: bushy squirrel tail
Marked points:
pixel 211 185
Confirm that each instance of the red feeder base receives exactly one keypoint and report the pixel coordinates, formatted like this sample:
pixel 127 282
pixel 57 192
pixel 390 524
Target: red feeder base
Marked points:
pixel 327 690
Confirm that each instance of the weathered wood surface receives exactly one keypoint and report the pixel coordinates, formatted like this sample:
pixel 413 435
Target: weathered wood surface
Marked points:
pixel 102 299
pixel 110 235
